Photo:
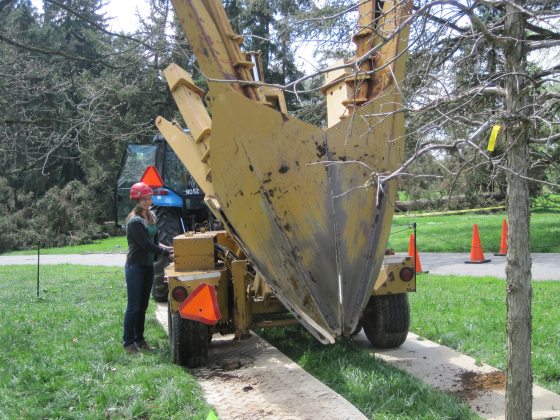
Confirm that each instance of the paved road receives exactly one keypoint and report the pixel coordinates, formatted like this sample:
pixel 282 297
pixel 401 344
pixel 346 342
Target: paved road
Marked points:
pixel 545 266
pixel 114 260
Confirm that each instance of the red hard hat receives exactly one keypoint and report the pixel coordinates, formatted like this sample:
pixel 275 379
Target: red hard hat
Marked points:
pixel 140 190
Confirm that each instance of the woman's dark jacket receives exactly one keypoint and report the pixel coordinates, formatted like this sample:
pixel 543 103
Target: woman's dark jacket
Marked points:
pixel 139 243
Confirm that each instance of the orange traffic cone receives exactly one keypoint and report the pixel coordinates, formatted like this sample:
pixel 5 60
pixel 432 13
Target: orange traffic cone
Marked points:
pixel 477 253
pixel 503 243
pixel 413 252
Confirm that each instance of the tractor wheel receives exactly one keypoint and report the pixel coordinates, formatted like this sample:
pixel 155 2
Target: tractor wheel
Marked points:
pixel 188 340
pixel 169 226
pixel 386 320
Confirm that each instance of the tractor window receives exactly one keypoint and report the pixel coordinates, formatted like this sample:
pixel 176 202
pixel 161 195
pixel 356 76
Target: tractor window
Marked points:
pixel 177 177
pixel 135 160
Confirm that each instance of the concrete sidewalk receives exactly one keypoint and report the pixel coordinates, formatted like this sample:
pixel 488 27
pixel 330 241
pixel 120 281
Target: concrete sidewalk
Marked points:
pixel 479 385
pixel 251 379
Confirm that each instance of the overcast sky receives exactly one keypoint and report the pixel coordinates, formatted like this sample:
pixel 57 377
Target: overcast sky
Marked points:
pixel 124 13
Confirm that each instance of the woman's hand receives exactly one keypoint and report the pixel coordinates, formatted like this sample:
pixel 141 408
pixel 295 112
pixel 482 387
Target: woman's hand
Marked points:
pixel 170 256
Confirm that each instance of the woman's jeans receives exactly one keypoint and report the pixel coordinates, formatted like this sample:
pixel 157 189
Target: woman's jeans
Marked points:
pixel 139 280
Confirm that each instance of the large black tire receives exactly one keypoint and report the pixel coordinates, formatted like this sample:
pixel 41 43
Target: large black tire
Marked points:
pixel 188 341
pixel 169 226
pixel 386 320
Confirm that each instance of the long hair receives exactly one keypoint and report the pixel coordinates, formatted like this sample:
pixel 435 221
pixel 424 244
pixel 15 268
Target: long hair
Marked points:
pixel 137 211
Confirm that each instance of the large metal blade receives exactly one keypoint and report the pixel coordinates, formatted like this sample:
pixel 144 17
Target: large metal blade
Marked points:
pixel 365 148
pixel 278 206
pixel 300 207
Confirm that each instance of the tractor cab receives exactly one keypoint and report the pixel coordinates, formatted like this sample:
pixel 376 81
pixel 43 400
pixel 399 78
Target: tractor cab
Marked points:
pixel 176 190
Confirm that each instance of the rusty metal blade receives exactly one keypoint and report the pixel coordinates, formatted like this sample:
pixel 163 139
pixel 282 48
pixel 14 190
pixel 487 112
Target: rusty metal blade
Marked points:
pixel 368 144
pixel 316 238
pixel 308 205
pixel 278 205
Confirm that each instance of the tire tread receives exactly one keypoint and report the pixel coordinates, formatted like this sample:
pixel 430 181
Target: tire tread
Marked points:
pixel 188 341
pixel 386 320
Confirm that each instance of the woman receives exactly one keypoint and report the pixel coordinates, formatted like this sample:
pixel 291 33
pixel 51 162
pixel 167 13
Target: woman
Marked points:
pixel 141 234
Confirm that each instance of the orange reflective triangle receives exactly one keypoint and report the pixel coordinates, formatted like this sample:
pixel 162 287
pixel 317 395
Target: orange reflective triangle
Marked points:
pixel 201 305
pixel 151 177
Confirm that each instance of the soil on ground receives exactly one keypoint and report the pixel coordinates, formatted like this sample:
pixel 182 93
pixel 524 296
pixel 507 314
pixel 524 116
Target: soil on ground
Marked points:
pixel 473 384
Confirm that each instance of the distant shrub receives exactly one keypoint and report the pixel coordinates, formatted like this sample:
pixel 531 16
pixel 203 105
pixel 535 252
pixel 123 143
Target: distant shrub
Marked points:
pixel 63 216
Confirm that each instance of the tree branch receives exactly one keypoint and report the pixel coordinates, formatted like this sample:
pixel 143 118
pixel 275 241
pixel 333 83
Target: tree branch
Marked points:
pixel 542 32
pixel 444 22
pixel 46 51
pixel 537 45
pixel 548 72
pixel 59 53
pixel 544 140
pixel 4 3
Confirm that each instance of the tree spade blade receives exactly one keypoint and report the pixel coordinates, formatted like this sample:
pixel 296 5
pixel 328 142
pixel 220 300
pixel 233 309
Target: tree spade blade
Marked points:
pixel 278 205
pixel 303 208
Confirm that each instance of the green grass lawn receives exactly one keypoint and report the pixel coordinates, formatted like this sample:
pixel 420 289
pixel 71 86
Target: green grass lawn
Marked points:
pixel 61 355
pixel 450 233
pixel 453 233
pixel 114 244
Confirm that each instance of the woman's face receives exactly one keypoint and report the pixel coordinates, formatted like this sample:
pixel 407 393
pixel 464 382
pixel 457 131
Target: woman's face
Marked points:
pixel 145 202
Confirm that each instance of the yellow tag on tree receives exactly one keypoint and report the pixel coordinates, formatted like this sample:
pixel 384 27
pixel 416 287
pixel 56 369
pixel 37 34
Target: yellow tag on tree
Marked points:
pixel 493 135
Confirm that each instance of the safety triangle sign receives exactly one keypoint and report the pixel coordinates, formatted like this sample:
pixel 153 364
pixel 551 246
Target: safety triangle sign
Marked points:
pixel 151 177
pixel 201 305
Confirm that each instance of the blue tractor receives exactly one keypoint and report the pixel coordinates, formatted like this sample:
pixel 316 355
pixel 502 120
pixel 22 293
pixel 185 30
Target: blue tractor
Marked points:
pixel 178 203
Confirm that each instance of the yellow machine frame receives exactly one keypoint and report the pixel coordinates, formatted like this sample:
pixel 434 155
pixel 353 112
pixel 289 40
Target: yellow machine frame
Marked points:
pixel 254 304
pixel 307 207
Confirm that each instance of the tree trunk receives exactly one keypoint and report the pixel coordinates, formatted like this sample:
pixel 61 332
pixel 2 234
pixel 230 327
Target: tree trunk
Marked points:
pixel 518 267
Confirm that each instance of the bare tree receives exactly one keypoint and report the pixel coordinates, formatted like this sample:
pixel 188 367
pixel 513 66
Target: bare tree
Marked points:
pixel 469 70
pixel 491 40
